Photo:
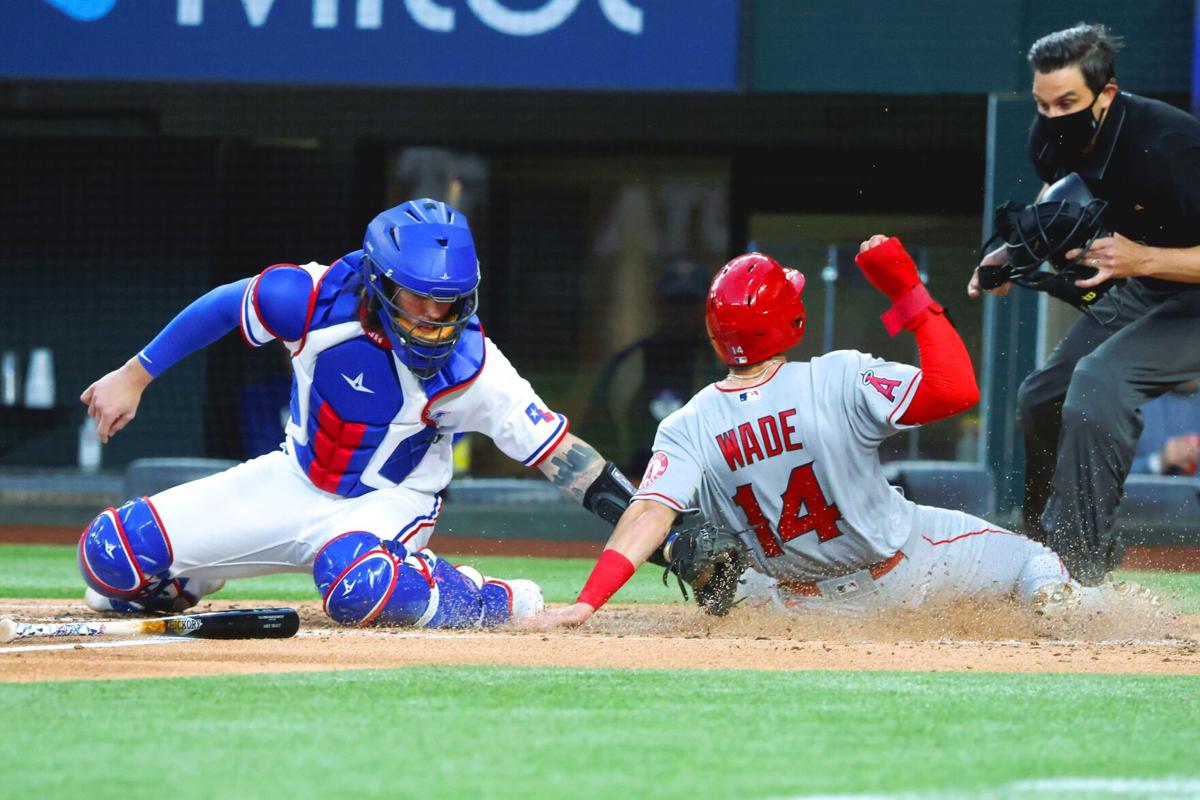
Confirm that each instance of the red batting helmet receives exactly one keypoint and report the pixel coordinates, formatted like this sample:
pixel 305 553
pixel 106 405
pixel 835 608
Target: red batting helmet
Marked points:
pixel 754 309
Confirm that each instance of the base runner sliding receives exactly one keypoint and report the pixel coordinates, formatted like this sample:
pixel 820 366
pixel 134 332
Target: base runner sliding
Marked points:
pixel 786 454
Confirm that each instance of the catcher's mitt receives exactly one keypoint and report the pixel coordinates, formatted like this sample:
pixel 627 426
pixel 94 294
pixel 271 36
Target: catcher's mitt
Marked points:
pixel 710 559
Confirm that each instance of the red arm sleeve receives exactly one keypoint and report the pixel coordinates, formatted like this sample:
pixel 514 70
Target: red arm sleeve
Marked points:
pixel 611 572
pixel 948 378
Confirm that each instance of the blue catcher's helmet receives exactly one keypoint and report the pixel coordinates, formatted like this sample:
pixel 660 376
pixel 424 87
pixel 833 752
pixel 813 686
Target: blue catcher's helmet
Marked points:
pixel 425 247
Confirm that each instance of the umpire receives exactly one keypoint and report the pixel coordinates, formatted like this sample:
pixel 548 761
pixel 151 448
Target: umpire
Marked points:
pixel 1079 413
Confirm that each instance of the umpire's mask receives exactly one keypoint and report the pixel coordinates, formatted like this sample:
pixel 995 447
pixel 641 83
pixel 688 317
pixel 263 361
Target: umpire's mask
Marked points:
pixel 1066 217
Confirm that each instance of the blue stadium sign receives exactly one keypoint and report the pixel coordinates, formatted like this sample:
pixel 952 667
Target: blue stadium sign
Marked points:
pixel 577 44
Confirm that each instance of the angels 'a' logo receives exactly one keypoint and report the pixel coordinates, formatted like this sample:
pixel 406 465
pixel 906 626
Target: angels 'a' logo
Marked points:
pixel 885 386
pixel 654 470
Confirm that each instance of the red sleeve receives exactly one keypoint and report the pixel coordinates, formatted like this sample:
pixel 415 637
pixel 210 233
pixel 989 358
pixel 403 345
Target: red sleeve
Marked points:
pixel 947 376
pixel 611 572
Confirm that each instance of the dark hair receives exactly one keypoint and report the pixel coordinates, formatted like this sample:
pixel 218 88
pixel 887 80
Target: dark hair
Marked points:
pixel 1090 47
pixel 369 307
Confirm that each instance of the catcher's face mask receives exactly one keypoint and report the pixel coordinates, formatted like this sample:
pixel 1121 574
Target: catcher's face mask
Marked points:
pixel 1067 217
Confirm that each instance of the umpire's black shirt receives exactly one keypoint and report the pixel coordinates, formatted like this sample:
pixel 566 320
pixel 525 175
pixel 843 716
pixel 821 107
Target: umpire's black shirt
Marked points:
pixel 1146 164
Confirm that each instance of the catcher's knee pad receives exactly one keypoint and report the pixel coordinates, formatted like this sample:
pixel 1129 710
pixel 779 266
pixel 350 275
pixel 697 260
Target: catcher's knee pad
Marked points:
pixel 125 553
pixel 363 580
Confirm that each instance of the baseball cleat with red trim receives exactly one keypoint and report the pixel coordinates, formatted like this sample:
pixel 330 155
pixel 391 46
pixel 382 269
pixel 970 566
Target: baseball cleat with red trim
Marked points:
pixel 526 599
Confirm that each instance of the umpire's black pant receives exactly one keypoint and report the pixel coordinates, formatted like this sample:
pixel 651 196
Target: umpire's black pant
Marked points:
pixel 1080 419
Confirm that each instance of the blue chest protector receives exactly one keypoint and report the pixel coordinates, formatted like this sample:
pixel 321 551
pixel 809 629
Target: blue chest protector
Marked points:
pixel 355 392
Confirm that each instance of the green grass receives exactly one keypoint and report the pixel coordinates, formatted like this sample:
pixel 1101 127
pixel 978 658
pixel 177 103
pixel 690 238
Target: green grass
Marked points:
pixel 494 732
pixel 50 571
pixel 556 733
pixel 1182 588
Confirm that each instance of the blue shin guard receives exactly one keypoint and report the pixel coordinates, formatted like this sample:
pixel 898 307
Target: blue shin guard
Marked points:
pixel 364 581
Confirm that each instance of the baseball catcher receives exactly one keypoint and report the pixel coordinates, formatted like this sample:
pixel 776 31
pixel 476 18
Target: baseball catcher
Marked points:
pixel 391 364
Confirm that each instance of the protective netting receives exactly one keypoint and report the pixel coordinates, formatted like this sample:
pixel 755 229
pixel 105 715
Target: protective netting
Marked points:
pixel 594 268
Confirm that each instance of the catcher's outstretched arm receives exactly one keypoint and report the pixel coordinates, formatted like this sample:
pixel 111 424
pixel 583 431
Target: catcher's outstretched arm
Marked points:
pixel 113 399
pixel 573 465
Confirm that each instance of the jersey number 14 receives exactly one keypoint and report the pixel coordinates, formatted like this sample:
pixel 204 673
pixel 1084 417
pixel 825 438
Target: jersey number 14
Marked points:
pixel 802 491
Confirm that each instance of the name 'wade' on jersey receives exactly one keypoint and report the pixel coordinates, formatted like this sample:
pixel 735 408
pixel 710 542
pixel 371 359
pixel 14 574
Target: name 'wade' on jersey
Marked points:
pixel 785 458
pixel 775 434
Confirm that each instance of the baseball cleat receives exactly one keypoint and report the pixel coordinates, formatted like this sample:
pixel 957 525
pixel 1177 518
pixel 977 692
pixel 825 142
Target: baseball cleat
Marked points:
pixel 174 596
pixel 1136 596
pixel 526 599
pixel 1055 600
pixel 106 605
pixel 1135 591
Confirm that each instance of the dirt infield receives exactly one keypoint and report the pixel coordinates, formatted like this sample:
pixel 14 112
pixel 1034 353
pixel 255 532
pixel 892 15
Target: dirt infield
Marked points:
pixel 997 638
pixel 1000 638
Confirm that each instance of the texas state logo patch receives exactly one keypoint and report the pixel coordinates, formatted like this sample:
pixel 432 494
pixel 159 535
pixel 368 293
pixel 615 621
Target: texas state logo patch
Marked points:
pixel 654 470
pixel 538 414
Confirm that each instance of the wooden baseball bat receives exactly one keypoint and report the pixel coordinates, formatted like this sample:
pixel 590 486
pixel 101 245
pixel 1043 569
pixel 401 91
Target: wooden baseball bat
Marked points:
pixel 245 623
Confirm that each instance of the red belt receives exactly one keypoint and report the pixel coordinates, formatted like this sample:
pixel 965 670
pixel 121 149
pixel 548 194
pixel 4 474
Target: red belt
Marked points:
pixel 810 588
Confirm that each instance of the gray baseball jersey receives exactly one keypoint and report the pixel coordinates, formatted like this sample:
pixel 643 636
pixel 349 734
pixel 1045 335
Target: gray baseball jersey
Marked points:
pixel 793 463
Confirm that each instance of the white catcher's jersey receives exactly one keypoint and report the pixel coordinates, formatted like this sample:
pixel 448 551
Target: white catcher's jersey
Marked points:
pixel 360 420
pixel 793 463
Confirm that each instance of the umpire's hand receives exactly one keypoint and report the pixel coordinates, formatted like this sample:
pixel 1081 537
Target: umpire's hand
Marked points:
pixel 993 259
pixel 1113 257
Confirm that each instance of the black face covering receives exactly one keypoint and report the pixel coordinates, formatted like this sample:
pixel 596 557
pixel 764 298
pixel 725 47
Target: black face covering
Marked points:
pixel 1056 143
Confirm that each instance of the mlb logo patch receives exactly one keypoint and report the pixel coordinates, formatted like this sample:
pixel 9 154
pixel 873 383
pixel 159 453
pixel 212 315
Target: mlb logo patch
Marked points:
pixel 537 415
pixel 748 396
